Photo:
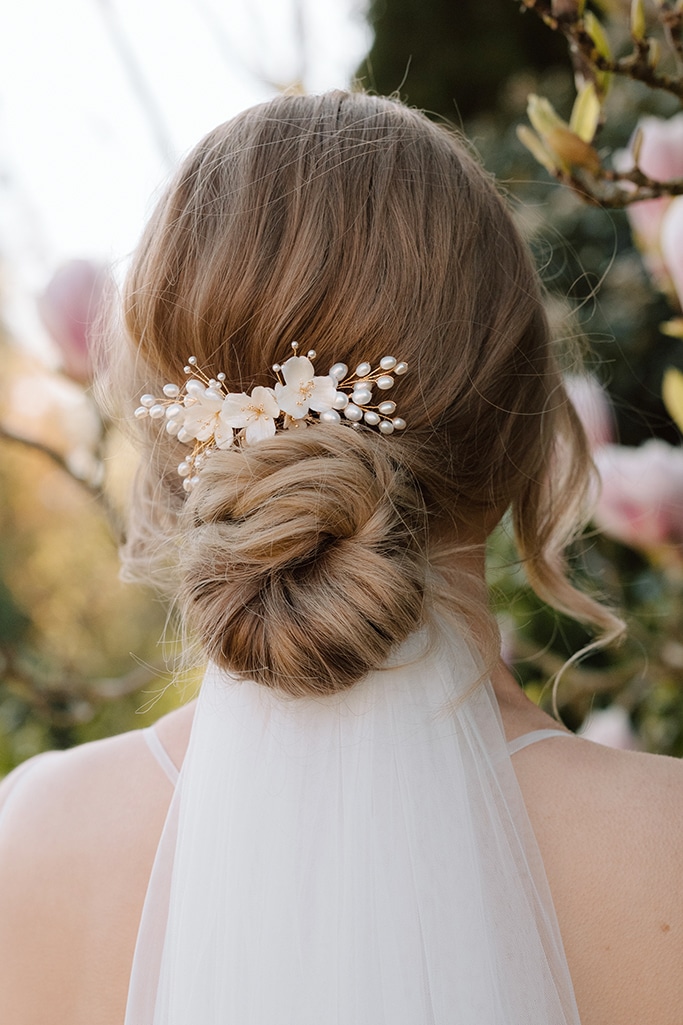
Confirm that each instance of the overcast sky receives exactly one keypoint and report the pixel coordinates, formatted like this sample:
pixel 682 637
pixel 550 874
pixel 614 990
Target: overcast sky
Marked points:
pixel 98 99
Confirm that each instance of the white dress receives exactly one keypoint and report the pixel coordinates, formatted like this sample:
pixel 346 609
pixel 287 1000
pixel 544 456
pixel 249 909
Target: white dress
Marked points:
pixel 361 859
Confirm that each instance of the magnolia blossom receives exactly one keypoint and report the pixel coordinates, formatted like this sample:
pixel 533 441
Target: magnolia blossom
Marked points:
pixel 302 390
pixel 592 405
pixel 661 147
pixel 672 244
pixel 69 306
pixel 660 158
pixel 202 418
pixel 255 412
pixel 641 501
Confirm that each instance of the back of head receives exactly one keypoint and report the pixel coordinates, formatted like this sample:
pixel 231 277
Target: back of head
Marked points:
pixel 360 229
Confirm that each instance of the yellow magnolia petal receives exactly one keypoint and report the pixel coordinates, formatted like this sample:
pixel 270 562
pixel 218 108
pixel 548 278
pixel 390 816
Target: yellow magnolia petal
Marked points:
pixel 672 328
pixel 672 393
pixel 536 148
pixel 585 116
pixel 543 115
pixel 638 19
pixel 597 33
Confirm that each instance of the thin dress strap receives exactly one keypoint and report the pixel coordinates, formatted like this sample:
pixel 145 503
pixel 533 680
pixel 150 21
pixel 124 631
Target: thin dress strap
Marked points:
pixel 160 753
pixel 531 738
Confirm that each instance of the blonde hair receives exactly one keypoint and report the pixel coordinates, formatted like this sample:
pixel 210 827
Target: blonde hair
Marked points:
pixel 361 229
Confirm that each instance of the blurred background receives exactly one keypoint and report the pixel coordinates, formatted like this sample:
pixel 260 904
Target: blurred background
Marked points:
pixel 100 98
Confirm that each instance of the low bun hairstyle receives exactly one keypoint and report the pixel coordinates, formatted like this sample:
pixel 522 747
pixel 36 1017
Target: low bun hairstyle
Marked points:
pixel 360 229
pixel 303 558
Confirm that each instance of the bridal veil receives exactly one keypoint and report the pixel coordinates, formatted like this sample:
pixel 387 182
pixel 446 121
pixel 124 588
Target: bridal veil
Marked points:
pixel 357 859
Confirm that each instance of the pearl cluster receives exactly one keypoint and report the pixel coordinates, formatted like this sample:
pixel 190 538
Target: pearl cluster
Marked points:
pixel 204 414
pixel 354 401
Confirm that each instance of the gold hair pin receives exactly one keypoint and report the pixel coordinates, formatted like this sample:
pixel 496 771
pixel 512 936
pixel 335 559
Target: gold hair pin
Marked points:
pixel 202 413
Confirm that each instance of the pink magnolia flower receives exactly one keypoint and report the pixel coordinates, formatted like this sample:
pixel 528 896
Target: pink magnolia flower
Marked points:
pixel 660 158
pixel 591 403
pixel 661 149
pixel 672 244
pixel 641 501
pixel 69 307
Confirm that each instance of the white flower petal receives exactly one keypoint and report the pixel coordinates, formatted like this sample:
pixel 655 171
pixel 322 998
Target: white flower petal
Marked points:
pixel 323 394
pixel 235 409
pixel 265 399
pixel 297 370
pixel 259 429
pixel 291 400
pixel 223 434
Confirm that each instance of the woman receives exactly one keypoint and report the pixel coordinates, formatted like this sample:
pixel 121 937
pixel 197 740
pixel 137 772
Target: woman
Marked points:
pixel 348 841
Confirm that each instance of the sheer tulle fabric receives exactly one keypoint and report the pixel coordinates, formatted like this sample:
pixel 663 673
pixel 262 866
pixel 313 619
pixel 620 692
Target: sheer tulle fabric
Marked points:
pixel 362 859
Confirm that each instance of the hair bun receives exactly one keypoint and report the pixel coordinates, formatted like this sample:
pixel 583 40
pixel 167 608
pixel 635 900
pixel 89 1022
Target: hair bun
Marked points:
pixel 303 558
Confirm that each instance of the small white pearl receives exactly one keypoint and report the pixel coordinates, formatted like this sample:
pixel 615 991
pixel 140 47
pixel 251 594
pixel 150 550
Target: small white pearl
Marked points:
pixel 330 416
pixel 372 418
pixel 388 362
pixel 192 361
pixel 341 400
pixel 141 412
pixel 187 485
pixel 387 407
pixel 386 427
pixel 171 391
pixel 184 436
pixel 385 382
pixel 362 369
pixel 221 377
pixel 157 412
pixel 172 427
pixel 361 396
pixel 295 346
pixel 175 409
pixel 311 353
pixel 399 423
pixel 339 371
pixel 184 468
pixel 147 400
pixel 194 480
pixel 401 368
pixel 353 413
pixel 195 389
pixel 276 368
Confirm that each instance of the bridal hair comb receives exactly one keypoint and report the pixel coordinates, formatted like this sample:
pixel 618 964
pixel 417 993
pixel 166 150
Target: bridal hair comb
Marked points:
pixel 203 413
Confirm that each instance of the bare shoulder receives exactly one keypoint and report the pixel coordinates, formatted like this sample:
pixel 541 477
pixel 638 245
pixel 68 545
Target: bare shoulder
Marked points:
pixel 610 827
pixel 60 787
pixel 93 782
pixel 78 834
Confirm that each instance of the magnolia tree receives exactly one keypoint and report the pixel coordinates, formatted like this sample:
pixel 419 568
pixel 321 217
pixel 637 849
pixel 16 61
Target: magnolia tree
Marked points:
pixel 638 561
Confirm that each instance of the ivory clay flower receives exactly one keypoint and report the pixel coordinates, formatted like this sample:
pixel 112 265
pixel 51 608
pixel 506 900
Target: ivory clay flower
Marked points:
pixel 256 412
pixel 204 414
pixel 302 390
pixel 201 416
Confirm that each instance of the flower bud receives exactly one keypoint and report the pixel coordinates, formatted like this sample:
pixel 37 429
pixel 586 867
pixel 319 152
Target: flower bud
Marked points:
pixel 69 307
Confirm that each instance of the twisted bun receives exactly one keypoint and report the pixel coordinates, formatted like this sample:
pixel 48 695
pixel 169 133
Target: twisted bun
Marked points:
pixel 303 558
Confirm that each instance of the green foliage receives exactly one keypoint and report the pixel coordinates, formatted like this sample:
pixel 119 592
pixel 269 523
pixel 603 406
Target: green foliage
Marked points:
pixel 452 59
